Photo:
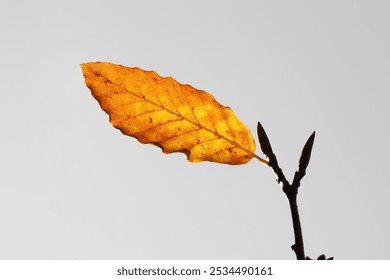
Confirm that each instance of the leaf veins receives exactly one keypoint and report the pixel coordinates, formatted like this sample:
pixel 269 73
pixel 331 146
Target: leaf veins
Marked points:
pixel 163 112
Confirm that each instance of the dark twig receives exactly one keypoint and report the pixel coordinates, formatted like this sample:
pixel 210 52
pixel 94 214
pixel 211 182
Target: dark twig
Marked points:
pixel 290 190
pixel 298 246
pixel 266 148
pixel 304 160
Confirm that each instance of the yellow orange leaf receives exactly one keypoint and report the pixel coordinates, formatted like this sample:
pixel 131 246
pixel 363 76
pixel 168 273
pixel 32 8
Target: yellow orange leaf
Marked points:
pixel 175 117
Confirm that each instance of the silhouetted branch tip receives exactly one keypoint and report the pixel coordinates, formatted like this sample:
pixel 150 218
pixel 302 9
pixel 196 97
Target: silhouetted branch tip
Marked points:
pixel 265 145
pixel 290 190
pixel 266 148
pixel 306 153
pixel 304 160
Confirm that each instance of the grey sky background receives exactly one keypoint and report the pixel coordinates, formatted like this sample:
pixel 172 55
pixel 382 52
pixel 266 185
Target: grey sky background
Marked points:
pixel 73 187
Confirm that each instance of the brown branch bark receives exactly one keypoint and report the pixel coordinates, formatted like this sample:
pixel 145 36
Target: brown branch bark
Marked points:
pixel 290 190
pixel 298 247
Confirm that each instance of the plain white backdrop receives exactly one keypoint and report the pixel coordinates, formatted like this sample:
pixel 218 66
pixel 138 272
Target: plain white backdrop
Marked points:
pixel 73 187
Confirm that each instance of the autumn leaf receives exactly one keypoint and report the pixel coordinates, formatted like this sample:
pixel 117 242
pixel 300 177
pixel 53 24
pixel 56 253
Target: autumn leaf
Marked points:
pixel 163 112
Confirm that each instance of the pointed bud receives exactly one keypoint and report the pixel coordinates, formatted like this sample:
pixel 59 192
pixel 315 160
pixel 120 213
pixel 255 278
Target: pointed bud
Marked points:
pixel 265 145
pixel 305 156
pixel 304 160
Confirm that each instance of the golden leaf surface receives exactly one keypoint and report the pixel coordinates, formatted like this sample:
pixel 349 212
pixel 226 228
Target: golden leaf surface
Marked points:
pixel 163 112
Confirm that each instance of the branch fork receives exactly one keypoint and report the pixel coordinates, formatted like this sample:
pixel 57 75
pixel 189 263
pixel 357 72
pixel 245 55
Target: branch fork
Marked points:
pixel 290 190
